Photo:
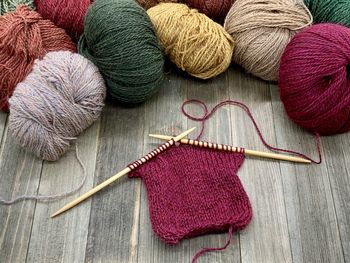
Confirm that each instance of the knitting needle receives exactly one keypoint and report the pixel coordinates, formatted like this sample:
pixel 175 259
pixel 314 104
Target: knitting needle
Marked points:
pixel 128 169
pixel 276 156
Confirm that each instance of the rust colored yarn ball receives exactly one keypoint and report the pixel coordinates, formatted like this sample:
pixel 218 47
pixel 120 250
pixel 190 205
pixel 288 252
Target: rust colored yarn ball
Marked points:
pixel 67 14
pixel 24 37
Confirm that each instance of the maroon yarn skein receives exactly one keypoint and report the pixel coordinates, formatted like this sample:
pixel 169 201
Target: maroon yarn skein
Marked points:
pixel 314 79
pixel 67 14
pixel 215 9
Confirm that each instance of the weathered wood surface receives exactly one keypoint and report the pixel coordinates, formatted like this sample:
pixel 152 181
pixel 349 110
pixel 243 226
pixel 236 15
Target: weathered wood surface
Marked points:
pixel 301 213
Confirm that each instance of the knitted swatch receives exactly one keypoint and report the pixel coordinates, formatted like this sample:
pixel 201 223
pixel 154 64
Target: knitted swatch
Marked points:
pixel 193 191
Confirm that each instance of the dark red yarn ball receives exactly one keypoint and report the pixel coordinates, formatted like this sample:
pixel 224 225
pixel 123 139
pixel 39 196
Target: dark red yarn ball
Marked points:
pixel 314 79
pixel 215 9
pixel 67 14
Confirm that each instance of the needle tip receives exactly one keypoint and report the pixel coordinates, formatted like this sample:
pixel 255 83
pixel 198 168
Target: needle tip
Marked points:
pixel 55 214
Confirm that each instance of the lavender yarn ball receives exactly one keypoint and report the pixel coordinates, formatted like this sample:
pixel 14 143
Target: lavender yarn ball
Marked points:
pixel 62 96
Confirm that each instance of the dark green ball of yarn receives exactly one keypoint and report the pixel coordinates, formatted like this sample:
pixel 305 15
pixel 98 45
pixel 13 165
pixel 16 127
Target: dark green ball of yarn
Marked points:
pixel 331 11
pixel 120 40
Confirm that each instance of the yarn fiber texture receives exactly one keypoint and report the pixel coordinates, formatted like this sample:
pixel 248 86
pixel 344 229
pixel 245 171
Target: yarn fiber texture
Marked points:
pixel 147 4
pixel 24 37
pixel 10 5
pixel 262 30
pixel 215 9
pixel 331 11
pixel 192 41
pixel 120 39
pixel 67 14
pixel 61 97
pixel 314 79
pixel 193 191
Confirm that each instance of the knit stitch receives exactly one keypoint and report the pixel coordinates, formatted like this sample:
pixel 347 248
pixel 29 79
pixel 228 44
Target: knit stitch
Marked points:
pixel 194 191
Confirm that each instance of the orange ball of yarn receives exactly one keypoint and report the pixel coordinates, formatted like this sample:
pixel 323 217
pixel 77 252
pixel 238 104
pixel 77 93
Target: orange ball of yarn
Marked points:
pixel 24 37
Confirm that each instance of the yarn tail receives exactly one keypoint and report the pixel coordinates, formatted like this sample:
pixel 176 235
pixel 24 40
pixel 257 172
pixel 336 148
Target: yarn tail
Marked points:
pixel 50 198
pixel 210 249
pixel 207 114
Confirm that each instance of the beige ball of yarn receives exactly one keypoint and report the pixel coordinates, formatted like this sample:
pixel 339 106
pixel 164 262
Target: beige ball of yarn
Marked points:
pixel 191 40
pixel 262 30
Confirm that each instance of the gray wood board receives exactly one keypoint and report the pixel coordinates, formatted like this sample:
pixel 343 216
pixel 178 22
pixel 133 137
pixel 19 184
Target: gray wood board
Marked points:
pixel 300 212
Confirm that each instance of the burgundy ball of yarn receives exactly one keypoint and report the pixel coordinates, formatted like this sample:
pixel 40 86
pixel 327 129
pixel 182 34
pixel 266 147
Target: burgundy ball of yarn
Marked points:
pixel 314 79
pixel 215 9
pixel 67 14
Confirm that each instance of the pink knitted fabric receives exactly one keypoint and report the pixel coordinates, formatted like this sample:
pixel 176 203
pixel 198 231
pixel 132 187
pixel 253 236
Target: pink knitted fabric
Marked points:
pixel 193 191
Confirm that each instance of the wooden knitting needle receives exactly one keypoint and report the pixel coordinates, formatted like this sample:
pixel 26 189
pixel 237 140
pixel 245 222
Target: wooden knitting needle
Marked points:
pixel 276 156
pixel 128 169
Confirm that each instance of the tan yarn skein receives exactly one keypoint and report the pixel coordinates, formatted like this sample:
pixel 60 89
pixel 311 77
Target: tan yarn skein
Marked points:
pixel 191 40
pixel 261 30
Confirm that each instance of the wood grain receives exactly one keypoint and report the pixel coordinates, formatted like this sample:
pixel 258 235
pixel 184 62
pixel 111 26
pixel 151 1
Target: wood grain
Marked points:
pixel 3 118
pixel 217 129
pixel 300 213
pixel 266 239
pixel 112 210
pixel 19 175
pixel 338 167
pixel 312 221
pixel 64 239
pixel 162 114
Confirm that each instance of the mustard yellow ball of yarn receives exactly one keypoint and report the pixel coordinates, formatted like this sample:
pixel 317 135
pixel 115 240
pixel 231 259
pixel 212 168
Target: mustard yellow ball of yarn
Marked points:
pixel 192 41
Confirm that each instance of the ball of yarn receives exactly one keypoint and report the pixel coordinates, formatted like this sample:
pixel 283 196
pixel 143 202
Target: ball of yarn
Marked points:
pixel 314 79
pixel 192 41
pixel 262 30
pixel 61 97
pixel 67 14
pixel 10 5
pixel 120 39
pixel 332 11
pixel 150 3
pixel 25 36
pixel 215 9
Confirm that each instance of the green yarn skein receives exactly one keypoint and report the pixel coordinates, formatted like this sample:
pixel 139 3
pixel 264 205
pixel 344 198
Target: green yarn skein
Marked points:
pixel 120 40
pixel 331 11
pixel 10 5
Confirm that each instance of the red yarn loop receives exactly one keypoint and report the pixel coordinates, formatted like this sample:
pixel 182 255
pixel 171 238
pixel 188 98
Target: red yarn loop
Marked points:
pixel 208 114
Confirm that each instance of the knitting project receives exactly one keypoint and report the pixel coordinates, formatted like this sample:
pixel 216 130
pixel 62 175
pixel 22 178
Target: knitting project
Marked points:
pixel 194 191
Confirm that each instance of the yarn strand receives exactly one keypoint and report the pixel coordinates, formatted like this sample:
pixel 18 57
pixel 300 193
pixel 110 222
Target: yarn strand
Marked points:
pixel 207 115
pixel 209 249
pixel 50 198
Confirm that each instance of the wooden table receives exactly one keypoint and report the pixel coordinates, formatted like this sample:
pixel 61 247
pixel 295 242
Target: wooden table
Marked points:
pixel 301 212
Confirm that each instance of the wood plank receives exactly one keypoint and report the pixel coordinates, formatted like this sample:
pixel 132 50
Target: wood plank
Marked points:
pixel 217 129
pixel 266 239
pixel 3 118
pixel 112 209
pixel 312 221
pixel 162 116
pixel 63 239
pixel 19 174
pixel 337 155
